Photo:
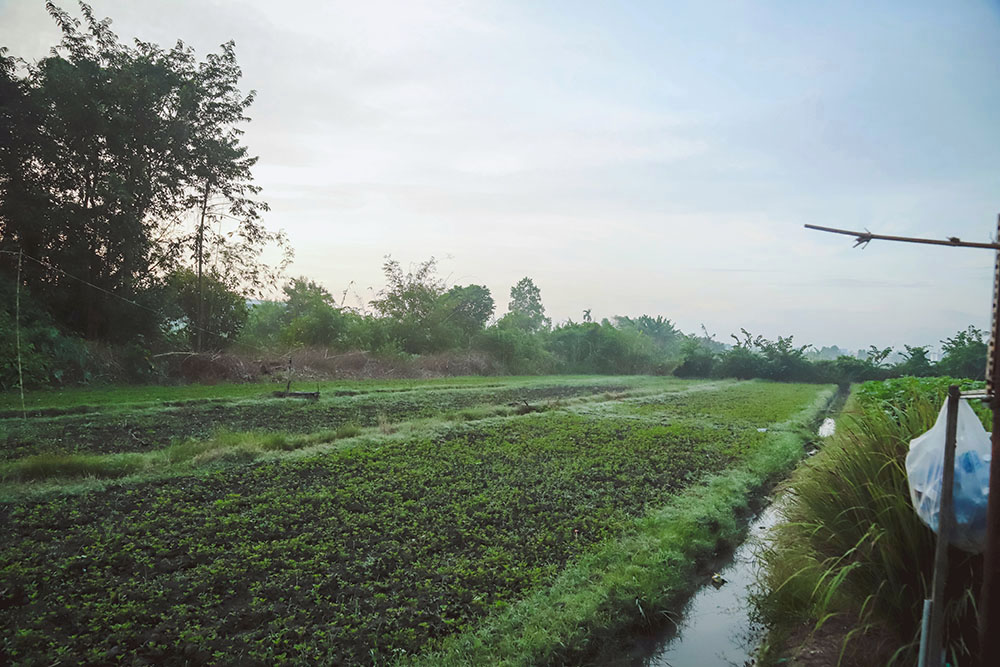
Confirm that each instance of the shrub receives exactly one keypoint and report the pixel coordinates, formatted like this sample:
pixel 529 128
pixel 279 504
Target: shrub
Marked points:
pixel 47 356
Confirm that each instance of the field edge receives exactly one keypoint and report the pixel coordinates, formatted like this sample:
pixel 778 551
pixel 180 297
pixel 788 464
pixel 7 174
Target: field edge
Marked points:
pixel 635 581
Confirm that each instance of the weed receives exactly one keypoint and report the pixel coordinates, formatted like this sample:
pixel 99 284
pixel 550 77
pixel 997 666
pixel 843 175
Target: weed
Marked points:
pixel 385 425
pixel 44 466
pixel 347 431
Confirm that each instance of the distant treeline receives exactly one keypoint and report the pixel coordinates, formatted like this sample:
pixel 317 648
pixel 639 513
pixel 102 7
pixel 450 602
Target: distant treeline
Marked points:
pixel 964 356
pixel 417 314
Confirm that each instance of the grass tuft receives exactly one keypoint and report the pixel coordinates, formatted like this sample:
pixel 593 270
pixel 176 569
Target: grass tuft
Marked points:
pixel 46 466
pixel 347 431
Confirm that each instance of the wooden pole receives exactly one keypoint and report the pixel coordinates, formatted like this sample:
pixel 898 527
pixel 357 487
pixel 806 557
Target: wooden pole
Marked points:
pixel 989 600
pixel 946 519
pixel 864 237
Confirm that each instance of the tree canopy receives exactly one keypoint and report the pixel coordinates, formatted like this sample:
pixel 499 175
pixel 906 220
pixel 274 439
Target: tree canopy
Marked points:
pixel 526 308
pixel 110 151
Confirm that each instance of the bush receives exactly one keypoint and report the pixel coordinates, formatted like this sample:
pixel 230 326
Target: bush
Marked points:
pixel 604 348
pixel 517 350
pixel 211 315
pixel 964 355
pixel 697 361
pixel 47 356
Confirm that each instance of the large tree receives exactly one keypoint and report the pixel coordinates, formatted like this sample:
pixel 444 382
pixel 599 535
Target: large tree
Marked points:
pixel 526 308
pixel 109 150
pixel 467 308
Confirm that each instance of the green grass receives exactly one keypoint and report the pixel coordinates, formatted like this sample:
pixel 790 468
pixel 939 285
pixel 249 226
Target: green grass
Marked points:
pixel 223 447
pixel 852 548
pixel 279 546
pixel 135 395
pixel 146 428
pixel 637 580
pixel 724 402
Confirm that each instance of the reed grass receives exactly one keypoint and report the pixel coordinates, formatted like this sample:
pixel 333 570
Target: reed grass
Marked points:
pixel 853 549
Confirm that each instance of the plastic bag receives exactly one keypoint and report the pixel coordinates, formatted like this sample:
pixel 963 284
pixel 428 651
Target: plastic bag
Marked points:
pixel 925 463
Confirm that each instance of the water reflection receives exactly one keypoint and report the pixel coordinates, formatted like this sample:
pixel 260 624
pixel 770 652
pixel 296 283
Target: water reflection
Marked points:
pixel 715 629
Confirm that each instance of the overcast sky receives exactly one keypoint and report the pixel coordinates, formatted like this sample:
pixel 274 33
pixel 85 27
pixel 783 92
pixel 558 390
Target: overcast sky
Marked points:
pixel 644 157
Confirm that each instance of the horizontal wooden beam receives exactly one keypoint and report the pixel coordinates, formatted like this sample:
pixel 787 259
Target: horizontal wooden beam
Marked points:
pixel 862 238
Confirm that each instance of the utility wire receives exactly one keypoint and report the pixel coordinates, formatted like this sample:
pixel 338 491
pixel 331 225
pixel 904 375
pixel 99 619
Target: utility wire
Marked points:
pixel 17 332
pixel 21 255
pixel 49 266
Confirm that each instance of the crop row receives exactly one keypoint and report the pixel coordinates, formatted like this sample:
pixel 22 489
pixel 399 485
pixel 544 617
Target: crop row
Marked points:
pixel 340 557
pixel 117 431
pixel 742 404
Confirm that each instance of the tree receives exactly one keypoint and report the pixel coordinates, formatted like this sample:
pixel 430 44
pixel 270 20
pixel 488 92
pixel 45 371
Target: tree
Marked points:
pixel 221 187
pixel 663 332
pixel 467 309
pixel 964 355
pixel 410 301
pixel 916 362
pixel 210 312
pixel 106 147
pixel 311 314
pixel 526 307
pixel 698 359
pixel 411 295
pixel 876 356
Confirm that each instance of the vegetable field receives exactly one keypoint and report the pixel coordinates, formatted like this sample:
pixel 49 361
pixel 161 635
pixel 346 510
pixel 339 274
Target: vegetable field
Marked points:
pixel 385 520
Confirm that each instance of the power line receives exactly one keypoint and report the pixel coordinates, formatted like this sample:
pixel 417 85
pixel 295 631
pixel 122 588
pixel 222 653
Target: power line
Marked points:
pixel 154 311
pixel 17 332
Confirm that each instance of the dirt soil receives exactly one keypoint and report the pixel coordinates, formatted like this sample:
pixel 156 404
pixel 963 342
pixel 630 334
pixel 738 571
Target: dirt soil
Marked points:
pixel 825 647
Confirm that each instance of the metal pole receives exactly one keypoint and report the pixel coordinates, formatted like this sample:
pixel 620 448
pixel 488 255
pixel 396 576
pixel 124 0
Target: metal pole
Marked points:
pixel 946 519
pixel 925 633
pixel 989 615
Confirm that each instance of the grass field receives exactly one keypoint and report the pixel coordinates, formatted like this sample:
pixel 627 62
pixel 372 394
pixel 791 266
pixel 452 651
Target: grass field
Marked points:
pixel 462 520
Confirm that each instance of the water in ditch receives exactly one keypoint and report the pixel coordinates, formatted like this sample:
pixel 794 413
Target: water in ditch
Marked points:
pixel 715 628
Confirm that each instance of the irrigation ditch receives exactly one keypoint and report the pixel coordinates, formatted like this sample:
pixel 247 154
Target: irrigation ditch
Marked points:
pixel 717 626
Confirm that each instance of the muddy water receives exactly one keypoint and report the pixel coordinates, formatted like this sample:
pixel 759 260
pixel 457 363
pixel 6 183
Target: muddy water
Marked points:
pixel 715 627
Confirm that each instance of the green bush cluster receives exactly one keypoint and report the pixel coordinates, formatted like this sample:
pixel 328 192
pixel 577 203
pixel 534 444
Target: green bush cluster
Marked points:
pixel 47 357
pixel 758 357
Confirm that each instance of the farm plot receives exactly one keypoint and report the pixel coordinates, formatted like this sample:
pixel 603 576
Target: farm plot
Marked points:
pixel 145 428
pixel 354 556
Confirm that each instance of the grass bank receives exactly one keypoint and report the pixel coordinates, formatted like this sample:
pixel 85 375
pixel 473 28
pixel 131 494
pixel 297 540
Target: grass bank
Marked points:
pixel 639 579
pixel 851 564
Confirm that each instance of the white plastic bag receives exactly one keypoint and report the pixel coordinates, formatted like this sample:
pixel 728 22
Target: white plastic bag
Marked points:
pixel 925 463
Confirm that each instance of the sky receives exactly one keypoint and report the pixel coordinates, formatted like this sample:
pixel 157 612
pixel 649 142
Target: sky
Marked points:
pixel 631 158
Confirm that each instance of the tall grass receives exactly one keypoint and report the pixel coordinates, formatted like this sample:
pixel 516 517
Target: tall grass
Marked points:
pixel 223 447
pixel 852 547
